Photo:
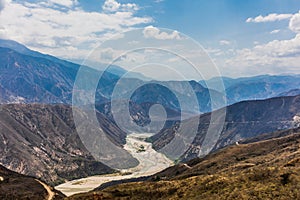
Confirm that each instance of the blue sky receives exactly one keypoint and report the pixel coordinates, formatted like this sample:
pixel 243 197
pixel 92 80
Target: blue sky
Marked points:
pixel 243 38
pixel 214 20
pixel 209 21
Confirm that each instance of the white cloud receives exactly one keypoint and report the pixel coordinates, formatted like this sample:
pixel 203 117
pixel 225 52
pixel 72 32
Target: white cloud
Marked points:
pixel 153 32
pixel 269 18
pixel 107 54
pixel 69 32
pixel 275 31
pixel 273 57
pixel 294 24
pixel 214 52
pixel 224 42
pixel 67 3
pixel 111 5
pixel 114 6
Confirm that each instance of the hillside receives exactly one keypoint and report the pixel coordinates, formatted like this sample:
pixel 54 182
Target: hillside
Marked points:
pixel 41 141
pixel 267 169
pixel 243 120
pixel 34 79
pixel 16 186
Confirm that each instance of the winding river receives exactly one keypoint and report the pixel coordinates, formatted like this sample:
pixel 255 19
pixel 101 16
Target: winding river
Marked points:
pixel 150 162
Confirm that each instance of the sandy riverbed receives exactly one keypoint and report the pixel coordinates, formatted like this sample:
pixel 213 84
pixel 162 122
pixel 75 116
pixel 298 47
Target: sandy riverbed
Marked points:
pixel 151 162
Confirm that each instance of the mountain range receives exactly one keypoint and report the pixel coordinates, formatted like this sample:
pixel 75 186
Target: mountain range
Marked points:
pixel 29 76
pixel 257 87
pixel 38 136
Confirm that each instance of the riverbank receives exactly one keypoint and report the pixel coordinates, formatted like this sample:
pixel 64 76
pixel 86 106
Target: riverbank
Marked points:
pixel 150 162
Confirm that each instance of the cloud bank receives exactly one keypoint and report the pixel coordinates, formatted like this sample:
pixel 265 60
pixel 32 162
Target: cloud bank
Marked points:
pixel 63 28
pixel 153 32
pixel 269 18
pixel 113 6
pixel 273 57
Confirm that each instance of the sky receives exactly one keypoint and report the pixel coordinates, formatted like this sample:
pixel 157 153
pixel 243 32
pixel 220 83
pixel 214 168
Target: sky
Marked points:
pixel 242 38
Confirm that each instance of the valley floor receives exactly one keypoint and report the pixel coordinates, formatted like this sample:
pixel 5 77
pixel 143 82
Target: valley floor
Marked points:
pixel 150 162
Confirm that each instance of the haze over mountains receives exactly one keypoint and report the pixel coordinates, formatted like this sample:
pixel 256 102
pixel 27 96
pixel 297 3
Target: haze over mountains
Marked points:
pixel 29 76
pixel 258 87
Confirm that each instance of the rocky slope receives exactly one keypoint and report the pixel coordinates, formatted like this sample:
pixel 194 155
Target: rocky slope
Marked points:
pixel 41 141
pixel 33 79
pixel 243 120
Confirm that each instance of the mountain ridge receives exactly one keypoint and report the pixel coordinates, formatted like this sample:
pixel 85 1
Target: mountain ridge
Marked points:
pixel 243 120
pixel 41 141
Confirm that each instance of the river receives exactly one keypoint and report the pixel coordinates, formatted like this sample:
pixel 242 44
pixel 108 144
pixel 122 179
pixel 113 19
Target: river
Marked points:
pixel 150 162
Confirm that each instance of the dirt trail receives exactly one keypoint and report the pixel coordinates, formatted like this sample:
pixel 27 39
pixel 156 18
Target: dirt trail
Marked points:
pixel 50 192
